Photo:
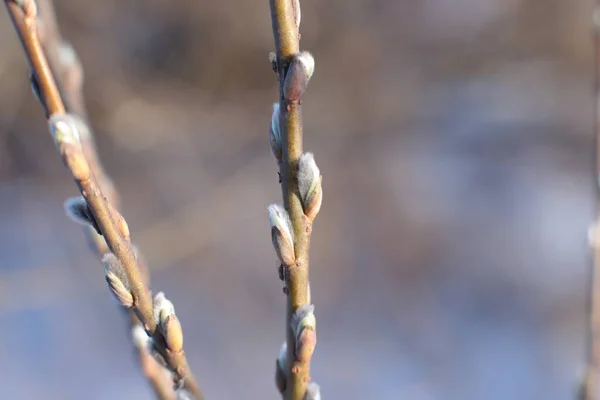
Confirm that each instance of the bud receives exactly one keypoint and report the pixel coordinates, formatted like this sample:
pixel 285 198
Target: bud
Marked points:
pixel 120 222
pixel 298 74
pixel 275 134
pixel 308 295
pixel 304 325
pixel 139 337
pixel 281 234
pixel 78 210
pixel 281 368
pixel 313 392
pixel 309 185
pixel 173 333
pixel 117 280
pixel 183 394
pixel 162 309
pixel 64 129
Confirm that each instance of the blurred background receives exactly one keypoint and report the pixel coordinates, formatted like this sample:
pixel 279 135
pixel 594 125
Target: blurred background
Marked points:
pixel 449 260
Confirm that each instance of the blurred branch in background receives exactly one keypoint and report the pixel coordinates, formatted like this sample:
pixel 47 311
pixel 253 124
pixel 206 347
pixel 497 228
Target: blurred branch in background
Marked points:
pixel 161 333
pixel 590 385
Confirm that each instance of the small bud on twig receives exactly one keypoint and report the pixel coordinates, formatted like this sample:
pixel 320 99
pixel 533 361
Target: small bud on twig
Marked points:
pixel 78 210
pixel 304 325
pixel 313 392
pixel 275 134
pixel 173 333
pixel 281 368
pixel 64 129
pixel 298 74
pixel 168 323
pixel 309 185
pixel 117 280
pixel 281 234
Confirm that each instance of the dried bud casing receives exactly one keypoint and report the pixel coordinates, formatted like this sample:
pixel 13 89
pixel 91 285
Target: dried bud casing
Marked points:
pixel 304 326
pixel 310 185
pixel 78 210
pixel 313 392
pixel 281 234
pixel 173 333
pixel 117 280
pixel 275 135
pixel 298 74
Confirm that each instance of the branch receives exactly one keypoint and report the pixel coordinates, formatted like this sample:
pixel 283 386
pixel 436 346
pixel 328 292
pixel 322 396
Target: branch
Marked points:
pixel 302 195
pixel 123 273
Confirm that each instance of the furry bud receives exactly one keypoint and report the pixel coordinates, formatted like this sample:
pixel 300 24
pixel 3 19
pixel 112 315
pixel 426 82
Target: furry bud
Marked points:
pixel 78 210
pixel 313 392
pixel 117 280
pixel 275 134
pixel 139 337
pixel 304 325
pixel 309 185
pixel 64 129
pixel 173 333
pixel 281 234
pixel 162 309
pixel 298 74
pixel 183 394
pixel 281 368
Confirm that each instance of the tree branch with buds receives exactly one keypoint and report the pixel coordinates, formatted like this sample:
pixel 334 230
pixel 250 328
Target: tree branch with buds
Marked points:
pixel 291 225
pixel 123 273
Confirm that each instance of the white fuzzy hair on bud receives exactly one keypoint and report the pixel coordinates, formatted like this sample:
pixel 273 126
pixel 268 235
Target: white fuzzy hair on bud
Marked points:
pixel 309 185
pixel 162 308
pixel 303 317
pixel 313 392
pixel 78 211
pixel 282 357
pixel 275 134
pixel 308 61
pixel 308 175
pixel 183 394
pixel 117 280
pixel 140 338
pixel 281 234
pixel 64 129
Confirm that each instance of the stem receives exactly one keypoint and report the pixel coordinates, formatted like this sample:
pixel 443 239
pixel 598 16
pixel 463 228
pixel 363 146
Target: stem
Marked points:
pixel 23 14
pixel 285 33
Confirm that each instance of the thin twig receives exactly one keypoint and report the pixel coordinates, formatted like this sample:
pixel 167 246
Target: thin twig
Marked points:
pixel 109 223
pixel 293 75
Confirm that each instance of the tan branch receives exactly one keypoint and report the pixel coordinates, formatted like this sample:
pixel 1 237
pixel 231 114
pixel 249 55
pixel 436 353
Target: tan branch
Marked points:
pixel 294 69
pixel 112 227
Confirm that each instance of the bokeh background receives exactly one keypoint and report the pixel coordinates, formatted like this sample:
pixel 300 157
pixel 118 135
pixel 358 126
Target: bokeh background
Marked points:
pixel 449 260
